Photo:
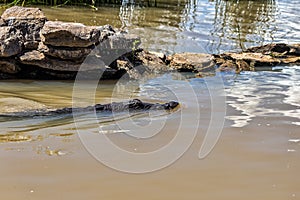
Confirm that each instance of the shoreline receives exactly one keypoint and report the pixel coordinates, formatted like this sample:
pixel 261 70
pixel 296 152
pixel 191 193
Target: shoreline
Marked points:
pixel 32 47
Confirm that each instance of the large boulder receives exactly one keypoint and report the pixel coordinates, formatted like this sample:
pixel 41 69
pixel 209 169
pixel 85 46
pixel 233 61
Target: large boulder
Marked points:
pixel 29 21
pixel 10 42
pixel 62 34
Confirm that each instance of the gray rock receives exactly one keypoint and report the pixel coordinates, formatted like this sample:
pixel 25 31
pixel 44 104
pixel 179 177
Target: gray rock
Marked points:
pixel 64 34
pixel 10 42
pixel 75 53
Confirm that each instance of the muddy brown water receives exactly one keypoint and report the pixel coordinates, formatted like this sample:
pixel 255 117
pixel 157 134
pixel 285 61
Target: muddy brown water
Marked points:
pixel 255 157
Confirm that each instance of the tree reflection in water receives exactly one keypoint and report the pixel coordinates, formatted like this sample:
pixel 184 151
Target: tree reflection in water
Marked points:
pixel 246 23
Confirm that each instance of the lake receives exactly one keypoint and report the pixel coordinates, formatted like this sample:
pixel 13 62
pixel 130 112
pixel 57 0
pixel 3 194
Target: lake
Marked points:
pixel 235 136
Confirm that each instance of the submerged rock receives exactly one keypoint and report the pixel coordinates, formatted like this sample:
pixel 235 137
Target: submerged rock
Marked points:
pixel 63 34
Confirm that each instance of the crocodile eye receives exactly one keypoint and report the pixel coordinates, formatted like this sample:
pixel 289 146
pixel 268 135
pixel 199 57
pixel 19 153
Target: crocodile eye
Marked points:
pixel 135 103
pixel 173 104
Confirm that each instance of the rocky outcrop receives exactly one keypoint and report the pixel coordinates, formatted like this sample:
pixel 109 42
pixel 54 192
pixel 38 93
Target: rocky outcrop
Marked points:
pixel 33 47
pixel 254 58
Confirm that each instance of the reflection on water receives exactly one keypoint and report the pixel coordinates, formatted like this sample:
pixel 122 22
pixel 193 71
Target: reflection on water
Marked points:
pixel 214 26
pixel 247 23
pixel 265 94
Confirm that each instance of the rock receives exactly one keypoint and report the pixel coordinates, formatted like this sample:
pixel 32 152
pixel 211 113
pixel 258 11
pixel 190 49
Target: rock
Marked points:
pixel 36 58
pixel 116 46
pixel 162 56
pixel 134 72
pixel 65 53
pixel 228 65
pixel 9 66
pixel 62 34
pixel 151 60
pixel 4 76
pixel 118 40
pixel 10 42
pixel 22 13
pixel 193 62
pixel 2 23
pixel 124 41
pixel 32 56
pixel 289 60
pixel 254 57
pixel 257 57
pixel 278 49
pixel 29 21
pixel 105 32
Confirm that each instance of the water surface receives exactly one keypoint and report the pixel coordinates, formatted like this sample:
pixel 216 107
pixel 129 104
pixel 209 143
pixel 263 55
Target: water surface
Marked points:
pixel 256 157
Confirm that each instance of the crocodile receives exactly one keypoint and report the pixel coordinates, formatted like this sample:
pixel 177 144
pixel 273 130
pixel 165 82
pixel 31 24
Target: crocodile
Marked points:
pixel 134 105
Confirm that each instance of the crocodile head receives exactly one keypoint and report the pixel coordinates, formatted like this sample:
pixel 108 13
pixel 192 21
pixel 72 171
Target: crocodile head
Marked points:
pixel 137 104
